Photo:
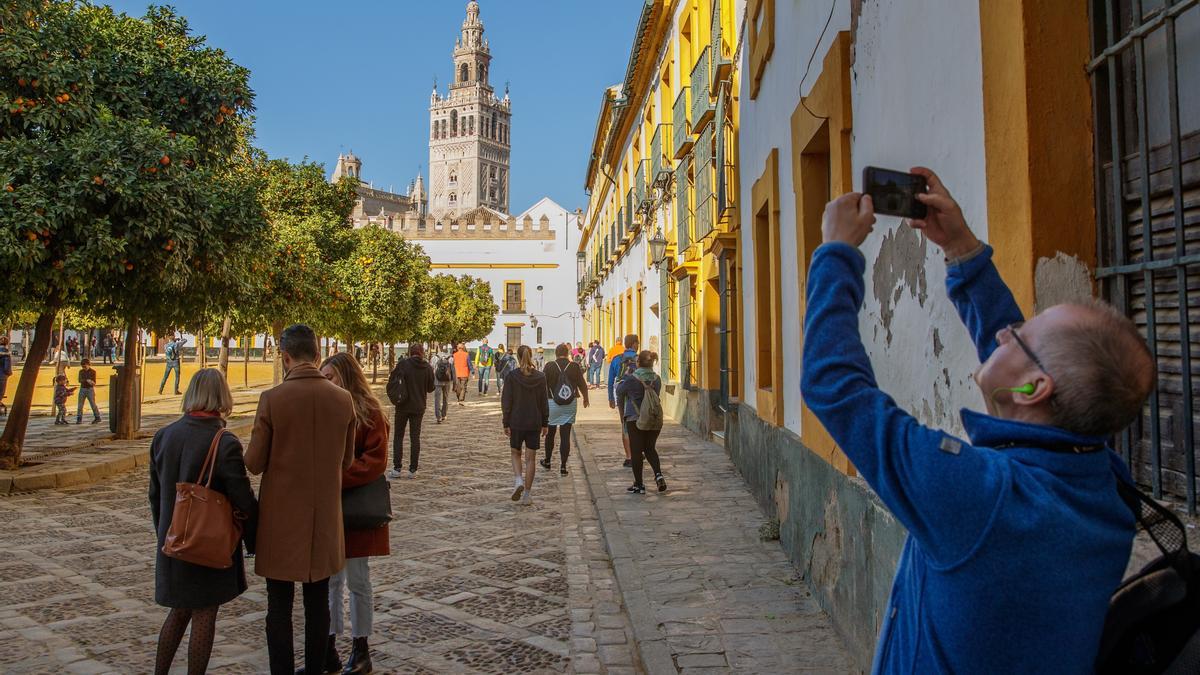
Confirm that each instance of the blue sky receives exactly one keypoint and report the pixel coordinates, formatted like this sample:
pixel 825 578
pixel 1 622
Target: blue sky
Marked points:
pixel 331 76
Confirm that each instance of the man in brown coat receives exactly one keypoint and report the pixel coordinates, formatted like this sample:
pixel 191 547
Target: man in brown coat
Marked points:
pixel 302 441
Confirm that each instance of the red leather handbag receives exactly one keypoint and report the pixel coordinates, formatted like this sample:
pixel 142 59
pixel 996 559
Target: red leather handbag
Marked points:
pixel 204 529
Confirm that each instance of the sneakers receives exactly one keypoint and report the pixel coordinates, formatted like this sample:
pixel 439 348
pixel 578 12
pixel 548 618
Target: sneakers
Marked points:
pixel 392 474
pixel 518 490
pixel 412 475
pixel 661 482
pixel 96 421
pixel 636 489
pixel 628 463
pixel 527 498
pixel 545 463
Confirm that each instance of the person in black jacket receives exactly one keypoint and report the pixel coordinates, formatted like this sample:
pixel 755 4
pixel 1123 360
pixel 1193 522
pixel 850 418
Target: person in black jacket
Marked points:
pixel 177 454
pixel 524 402
pixel 562 370
pixel 418 381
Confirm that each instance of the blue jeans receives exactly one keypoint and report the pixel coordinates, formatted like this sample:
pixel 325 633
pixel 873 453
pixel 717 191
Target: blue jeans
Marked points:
pixel 593 374
pixel 86 394
pixel 484 373
pixel 171 365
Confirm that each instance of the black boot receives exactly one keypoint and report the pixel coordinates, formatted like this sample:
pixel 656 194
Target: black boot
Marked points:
pixel 333 664
pixel 360 658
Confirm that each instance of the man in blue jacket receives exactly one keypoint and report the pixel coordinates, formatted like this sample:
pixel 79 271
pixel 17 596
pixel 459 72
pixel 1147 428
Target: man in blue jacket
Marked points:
pixel 1017 537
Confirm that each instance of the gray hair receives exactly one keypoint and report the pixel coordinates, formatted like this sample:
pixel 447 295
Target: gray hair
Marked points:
pixel 208 392
pixel 1102 369
pixel 300 342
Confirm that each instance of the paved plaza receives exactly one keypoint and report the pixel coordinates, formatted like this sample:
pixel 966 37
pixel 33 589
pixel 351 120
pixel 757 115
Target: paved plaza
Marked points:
pixel 475 583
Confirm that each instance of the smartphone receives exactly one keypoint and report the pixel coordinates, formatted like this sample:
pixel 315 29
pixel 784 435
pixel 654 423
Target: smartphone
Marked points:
pixel 895 192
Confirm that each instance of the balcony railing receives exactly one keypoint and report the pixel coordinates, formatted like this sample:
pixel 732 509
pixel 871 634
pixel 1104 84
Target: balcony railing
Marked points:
pixel 705 201
pixel 513 306
pixel 683 205
pixel 630 221
pixel 721 66
pixel 681 137
pixel 639 185
pixel 702 107
pixel 660 162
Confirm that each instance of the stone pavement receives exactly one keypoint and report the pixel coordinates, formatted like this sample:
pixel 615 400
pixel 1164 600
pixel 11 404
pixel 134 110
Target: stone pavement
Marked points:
pixel 475 583
pixel 704 593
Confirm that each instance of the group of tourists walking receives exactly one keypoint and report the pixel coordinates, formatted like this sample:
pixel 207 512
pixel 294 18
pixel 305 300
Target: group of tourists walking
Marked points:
pixel 633 391
pixel 320 444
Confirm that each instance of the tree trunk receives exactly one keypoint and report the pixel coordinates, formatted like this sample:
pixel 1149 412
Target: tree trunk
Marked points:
pixel 246 363
pixel 277 370
pixel 125 422
pixel 374 363
pixel 18 413
pixel 223 357
pixel 62 344
pixel 201 356
pixel 391 356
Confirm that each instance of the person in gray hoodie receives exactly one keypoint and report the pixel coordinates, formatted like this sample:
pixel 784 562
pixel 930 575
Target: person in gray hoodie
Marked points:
pixel 524 402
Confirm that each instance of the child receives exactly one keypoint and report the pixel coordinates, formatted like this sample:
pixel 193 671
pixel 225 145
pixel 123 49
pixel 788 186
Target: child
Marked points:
pixel 61 392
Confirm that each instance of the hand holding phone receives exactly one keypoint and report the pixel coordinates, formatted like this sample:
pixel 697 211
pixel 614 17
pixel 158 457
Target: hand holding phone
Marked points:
pixel 894 193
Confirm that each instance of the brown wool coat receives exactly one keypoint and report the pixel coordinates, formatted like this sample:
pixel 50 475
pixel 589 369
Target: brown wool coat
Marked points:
pixel 303 440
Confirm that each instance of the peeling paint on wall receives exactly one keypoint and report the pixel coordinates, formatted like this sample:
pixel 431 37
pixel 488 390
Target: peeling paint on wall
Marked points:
pixel 1063 278
pixel 938 347
pixel 827 560
pixel 900 266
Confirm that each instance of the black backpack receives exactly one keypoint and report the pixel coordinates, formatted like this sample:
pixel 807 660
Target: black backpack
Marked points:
pixel 397 388
pixel 1153 620
pixel 443 374
pixel 563 393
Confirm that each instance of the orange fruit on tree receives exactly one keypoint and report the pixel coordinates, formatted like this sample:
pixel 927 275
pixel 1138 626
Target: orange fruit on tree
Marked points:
pixel 97 180
pixel 9 188
pixel 165 160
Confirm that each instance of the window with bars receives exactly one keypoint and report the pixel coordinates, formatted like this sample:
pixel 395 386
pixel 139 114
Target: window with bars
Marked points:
pixel 1145 75
pixel 672 331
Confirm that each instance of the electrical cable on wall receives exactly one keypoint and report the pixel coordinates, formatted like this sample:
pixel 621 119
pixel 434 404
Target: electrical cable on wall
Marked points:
pixel 811 56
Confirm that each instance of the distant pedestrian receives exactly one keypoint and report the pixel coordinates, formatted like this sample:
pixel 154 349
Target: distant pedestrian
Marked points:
pixel 595 362
pixel 565 384
pixel 61 393
pixel 621 366
pixel 418 381
pixel 172 352
pixel 643 442
pixel 108 348
pixel 483 366
pixel 370 460
pixel 462 372
pixel 504 363
pixel 526 417
pixel 6 369
pixel 443 379
pixel 303 439
pixel 194 592
pixel 87 391
pixel 579 355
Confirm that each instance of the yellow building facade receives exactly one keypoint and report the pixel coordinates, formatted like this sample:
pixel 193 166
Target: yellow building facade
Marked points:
pixel 659 256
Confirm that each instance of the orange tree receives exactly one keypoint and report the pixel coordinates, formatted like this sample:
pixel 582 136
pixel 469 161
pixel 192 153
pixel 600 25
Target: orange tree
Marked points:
pixel 119 188
pixel 456 309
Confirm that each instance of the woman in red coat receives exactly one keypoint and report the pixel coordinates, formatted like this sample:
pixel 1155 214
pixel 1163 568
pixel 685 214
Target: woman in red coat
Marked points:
pixel 370 461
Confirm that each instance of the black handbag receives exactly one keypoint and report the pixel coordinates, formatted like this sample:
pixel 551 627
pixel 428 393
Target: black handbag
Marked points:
pixel 367 507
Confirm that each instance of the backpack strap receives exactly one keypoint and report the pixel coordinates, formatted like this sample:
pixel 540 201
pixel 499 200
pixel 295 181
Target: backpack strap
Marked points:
pixel 1163 526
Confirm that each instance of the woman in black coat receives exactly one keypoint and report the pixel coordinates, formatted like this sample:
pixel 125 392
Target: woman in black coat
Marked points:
pixel 177 454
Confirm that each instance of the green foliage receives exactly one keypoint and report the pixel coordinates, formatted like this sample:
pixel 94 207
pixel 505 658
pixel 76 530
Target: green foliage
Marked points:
pixel 382 278
pixel 456 309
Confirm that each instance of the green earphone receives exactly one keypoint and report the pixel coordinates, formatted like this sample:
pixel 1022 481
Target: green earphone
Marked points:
pixel 1027 389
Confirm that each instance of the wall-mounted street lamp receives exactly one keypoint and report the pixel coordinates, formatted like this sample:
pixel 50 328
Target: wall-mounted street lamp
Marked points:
pixel 658 248
pixel 598 298
pixel 533 321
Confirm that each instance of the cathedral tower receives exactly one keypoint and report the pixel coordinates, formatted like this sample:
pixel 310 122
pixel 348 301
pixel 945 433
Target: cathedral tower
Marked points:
pixel 469 132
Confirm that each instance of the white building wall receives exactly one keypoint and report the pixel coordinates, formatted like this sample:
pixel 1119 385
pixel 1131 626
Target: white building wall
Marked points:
pixel 555 307
pixel 917 100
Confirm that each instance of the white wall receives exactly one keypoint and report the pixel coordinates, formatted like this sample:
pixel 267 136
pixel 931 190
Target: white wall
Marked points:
pixel 559 284
pixel 917 100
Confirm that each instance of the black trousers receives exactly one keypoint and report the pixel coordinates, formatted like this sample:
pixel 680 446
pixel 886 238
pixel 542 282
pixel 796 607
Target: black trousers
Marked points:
pixel 413 422
pixel 641 446
pixel 564 447
pixel 279 626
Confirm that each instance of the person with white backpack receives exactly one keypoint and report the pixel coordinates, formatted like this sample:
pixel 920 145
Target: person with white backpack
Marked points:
pixel 643 417
pixel 566 383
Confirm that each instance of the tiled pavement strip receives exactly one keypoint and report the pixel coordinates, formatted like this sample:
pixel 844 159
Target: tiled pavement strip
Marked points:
pixel 704 593
pixel 475 583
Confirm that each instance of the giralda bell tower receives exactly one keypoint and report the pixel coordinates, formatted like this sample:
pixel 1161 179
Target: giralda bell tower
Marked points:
pixel 469 132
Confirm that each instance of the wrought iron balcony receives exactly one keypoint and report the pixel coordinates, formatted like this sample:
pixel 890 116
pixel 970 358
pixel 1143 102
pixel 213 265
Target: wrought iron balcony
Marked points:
pixel 702 106
pixel 639 185
pixel 681 127
pixel 721 67
pixel 513 306
pixel 660 162
pixel 704 177
pixel 683 205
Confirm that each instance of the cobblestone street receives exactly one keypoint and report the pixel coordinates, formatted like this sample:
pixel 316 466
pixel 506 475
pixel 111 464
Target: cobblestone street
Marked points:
pixel 475 583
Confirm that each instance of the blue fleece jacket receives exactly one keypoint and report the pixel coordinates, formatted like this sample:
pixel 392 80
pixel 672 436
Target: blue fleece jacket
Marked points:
pixel 614 371
pixel 1013 549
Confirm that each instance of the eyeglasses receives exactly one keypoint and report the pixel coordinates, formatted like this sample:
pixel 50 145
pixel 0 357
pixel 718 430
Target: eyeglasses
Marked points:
pixel 1012 330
